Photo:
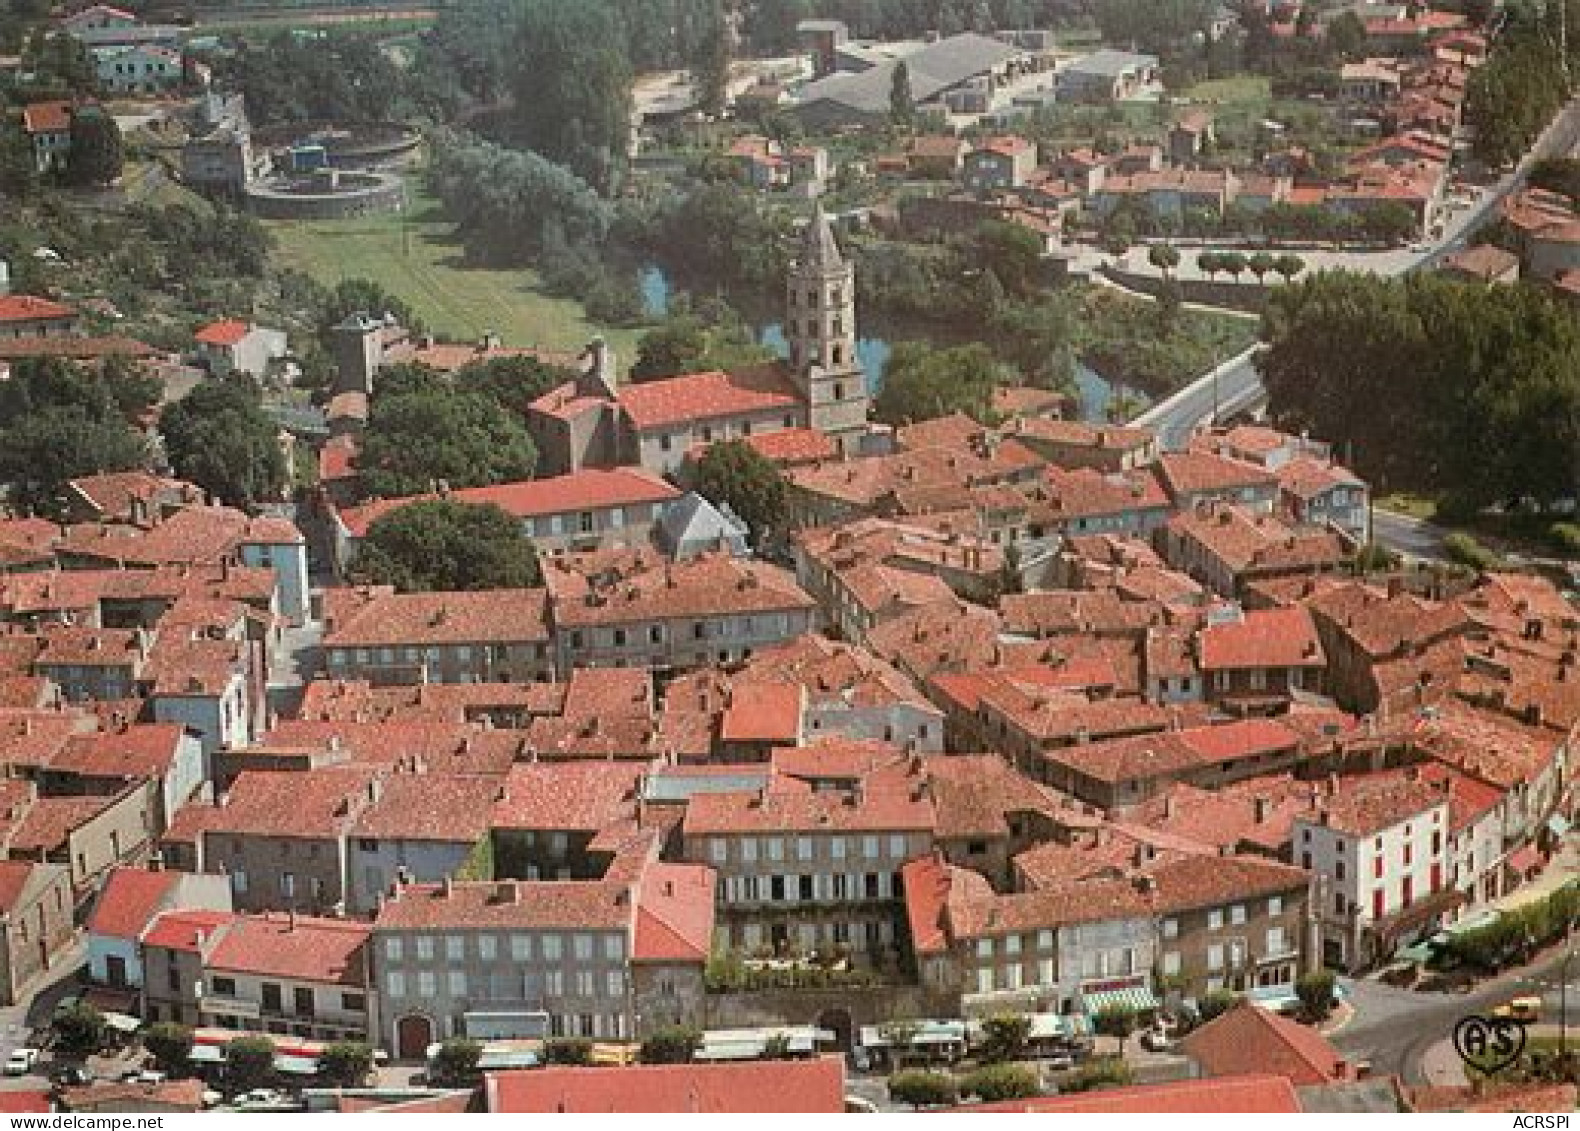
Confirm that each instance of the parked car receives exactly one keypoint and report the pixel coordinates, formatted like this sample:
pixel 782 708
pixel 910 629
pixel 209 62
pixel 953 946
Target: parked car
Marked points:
pixel 1527 1009
pixel 21 1061
pixel 1157 1040
pixel 72 1076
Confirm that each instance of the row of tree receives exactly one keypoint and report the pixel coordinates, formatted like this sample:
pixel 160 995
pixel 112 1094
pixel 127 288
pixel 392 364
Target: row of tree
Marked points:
pixel 1524 83
pixel 1480 386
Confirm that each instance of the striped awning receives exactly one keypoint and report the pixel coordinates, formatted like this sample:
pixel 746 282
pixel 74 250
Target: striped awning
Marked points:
pixel 1136 999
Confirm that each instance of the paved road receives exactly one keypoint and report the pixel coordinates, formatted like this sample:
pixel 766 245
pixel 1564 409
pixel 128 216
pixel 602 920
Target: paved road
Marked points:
pixel 1234 385
pixel 1407 535
pixel 1394 1027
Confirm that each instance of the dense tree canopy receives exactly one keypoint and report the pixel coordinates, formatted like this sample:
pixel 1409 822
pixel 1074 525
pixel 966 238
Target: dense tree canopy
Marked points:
pixel 416 440
pixel 59 421
pixel 572 87
pixel 443 544
pixel 1432 383
pixel 511 204
pixel 735 474
pixel 96 157
pixel 690 340
pixel 220 438
pixel 343 76
pixel 512 381
pixel 920 383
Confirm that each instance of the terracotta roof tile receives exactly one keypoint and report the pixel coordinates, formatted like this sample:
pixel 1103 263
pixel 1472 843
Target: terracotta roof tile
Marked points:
pixel 1248 1040
pixel 672 401
pixel 809 1086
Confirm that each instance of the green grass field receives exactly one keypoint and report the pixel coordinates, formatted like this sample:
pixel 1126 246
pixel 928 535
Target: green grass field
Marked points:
pixel 417 258
pixel 1233 91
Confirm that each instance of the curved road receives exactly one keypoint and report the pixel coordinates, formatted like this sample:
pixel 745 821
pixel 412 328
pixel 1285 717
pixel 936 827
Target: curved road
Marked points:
pixel 1394 1028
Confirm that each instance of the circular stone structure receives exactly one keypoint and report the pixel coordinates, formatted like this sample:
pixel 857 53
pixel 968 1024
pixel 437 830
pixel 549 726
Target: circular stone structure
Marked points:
pixel 345 146
pixel 326 194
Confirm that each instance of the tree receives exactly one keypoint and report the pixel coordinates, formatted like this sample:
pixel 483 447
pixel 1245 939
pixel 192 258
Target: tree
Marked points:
pixel 96 155
pixel 79 1029
pixel 777 1047
pixel 1012 252
pixel 219 437
pixel 1232 262
pixel 515 381
pixel 41 452
pixel 1216 1003
pixel 572 86
pixel 735 474
pixel 346 1064
pixel 995 1083
pixel 573 1051
pixel 1164 257
pixel 694 340
pixel 710 54
pixel 1004 1036
pixel 1288 266
pixel 170 1044
pixel 1118 1022
pixel 1038 339
pixel 455 1064
pixel 902 106
pixel 440 545
pixel 921 383
pixel 249 1063
pixel 675 1044
pixel 922 1089
pixel 461 439
pixel 1346 36
pixel 1209 263
pixel 1315 991
pixel 1260 263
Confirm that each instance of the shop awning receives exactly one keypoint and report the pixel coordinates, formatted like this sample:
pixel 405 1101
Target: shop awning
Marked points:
pixel 1136 999
pixel 207 1054
pixel 296 1065
pixel 123 1022
pixel 1525 860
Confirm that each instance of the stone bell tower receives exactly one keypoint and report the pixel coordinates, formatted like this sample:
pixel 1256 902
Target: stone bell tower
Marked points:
pixel 820 325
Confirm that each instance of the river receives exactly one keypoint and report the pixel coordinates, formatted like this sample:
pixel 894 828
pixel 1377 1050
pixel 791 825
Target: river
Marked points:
pixel 1096 391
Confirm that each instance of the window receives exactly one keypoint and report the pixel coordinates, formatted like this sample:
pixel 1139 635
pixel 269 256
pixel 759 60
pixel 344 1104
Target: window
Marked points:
pixel 427 984
pixel 487 947
pixel 585 986
pixel 520 947
pixel 551 948
pixel 1215 919
pixel 353 1003
pixel 897 846
pixel 984 948
pixel 614 983
pixel 1215 957
pixel 1275 905
pixel 238 881
pixel 302 1002
pixel 224 987
pixel 1171 928
pixel 1377 904
pixel 749 850
pixel 1171 962
pixel 1275 940
pixel 1338 869
pixel 287 884
pixel 272 999
pixel 457 979
pixel 614 947
pixel 776 848
pixel 582 947
pixel 837 848
pixel 1012 945
pixel 395 983
pixel 1237 914
pixel 454 948
pixel 803 848
pixel 425 948
pixel 718 850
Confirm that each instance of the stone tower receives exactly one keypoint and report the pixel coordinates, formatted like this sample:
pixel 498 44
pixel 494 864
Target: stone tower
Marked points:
pixel 820 325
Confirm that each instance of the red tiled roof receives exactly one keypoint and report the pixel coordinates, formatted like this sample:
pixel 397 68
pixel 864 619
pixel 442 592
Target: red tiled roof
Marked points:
pixel 28 308
pixel 295 947
pixel 1263 638
pixel 786 1086
pixel 591 489
pixel 1249 1095
pixel 50 820
pixel 571 796
pixel 876 810
pixel 129 899
pixel 1248 1040
pixel 497 615
pixel 184 930
pixel 25 1101
pixel 226 332
pixel 792 445
pixel 674 914
pixel 701 396
pixel 47 117
pixel 520 904
pixel 768 712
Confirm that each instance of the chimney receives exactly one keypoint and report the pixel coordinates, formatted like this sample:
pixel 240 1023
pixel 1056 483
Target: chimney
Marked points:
pixel 1168 806
pixel 448 887
pixel 507 892
pixel 290 920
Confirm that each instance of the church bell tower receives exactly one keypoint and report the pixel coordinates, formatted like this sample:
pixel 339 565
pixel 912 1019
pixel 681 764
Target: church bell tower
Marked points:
pixel 820 325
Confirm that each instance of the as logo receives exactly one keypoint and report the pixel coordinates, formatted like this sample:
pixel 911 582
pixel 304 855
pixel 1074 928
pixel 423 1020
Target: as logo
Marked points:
pixel 1490 1043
